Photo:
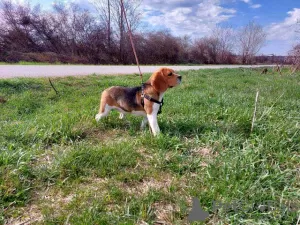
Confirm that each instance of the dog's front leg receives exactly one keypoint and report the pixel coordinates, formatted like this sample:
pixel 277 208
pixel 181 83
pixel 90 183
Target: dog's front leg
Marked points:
pixel 152 118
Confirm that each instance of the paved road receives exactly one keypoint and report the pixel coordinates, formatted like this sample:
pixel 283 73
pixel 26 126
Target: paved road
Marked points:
pixel 10 71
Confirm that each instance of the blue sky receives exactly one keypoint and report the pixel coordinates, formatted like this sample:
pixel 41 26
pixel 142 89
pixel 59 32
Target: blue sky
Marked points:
pixel 198 18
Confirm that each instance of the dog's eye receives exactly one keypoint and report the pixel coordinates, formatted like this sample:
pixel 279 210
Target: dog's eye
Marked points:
pixel 170 74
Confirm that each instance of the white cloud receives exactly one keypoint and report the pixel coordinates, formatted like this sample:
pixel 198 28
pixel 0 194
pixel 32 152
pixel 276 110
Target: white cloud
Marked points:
pixel 251 5
pixel 84 4
pixel 282 36
pixel 255 6
pixel 186 17
pixel 21 2
pixel 285 30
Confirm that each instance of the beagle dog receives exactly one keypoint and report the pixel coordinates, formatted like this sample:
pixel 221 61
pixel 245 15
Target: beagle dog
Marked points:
pixel 145 101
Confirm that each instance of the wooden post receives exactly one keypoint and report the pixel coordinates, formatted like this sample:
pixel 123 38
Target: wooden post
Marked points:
pixel 254 113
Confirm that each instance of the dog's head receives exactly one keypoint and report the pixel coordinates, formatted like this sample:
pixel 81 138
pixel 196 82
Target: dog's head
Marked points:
pixel 164 78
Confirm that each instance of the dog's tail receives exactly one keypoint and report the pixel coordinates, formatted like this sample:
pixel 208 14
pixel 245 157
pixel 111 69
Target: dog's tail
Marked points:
pixel 103 102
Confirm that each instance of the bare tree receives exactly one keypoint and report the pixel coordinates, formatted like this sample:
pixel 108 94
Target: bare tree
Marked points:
pixel 103 8
pixel 111 13
pixel 71 34
pixel 294 58
pixel 161 47
pixel 298 28
pixel 226 39
pixel 184 47
pixel 197 51
pixel 14 27
pixel 294 54
pixel 250 40
pixel 216 48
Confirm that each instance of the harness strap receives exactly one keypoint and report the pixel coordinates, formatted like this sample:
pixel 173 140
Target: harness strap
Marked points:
pixel 151 100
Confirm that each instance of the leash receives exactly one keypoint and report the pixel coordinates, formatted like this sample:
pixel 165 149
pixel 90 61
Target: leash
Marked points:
pixel 131 40
pixel 138 65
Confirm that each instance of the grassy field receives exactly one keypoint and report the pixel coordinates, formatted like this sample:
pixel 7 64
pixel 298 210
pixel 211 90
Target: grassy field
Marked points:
pixel 58 166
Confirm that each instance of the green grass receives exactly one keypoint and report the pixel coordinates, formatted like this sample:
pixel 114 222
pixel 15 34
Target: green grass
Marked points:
pixel 57 165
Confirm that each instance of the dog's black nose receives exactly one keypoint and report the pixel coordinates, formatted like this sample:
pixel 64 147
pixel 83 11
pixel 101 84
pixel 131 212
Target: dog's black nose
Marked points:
pixel 179 77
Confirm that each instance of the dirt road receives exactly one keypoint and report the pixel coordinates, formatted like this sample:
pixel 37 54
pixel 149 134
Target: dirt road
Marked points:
pixel 11 71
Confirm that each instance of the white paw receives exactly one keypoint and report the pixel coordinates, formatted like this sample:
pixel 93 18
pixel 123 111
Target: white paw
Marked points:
pixel 121 116
pixel 98 117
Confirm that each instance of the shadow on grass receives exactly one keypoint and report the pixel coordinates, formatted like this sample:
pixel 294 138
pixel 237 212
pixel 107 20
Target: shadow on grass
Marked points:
pixel 191 128
pixel 173 127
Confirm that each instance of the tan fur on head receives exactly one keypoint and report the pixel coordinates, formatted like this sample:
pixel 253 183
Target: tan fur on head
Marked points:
pixel 163 79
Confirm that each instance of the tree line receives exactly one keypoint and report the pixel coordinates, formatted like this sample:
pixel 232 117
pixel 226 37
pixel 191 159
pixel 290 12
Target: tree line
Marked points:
pixel 70 34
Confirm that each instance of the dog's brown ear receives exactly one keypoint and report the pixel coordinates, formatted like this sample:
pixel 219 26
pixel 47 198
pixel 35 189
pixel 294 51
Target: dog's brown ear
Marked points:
pixel 158 81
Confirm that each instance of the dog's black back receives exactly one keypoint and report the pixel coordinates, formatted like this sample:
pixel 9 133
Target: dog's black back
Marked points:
pixel 126 97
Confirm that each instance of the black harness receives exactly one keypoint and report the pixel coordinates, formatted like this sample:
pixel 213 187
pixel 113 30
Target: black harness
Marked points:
pixel 151 99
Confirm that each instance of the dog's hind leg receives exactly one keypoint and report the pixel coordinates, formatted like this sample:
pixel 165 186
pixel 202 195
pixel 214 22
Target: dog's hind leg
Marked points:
pixel 105 107
pixel 144 123
pixel 104 113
